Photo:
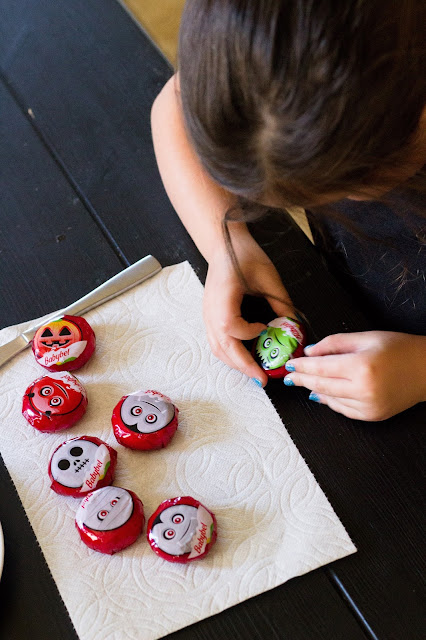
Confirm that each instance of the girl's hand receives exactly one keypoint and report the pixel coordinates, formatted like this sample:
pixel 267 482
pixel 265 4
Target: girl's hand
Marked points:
pixel 223 297
pixel 366 376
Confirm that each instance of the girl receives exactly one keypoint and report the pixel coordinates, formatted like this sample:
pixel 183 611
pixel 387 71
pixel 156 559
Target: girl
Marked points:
pixel 318 104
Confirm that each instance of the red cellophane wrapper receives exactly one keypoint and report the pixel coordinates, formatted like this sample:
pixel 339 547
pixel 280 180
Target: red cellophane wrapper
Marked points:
pixel 54 402
pixel 65 344
pixel 127 526
pixel 129 437
pixel 182 530
pixel 85 462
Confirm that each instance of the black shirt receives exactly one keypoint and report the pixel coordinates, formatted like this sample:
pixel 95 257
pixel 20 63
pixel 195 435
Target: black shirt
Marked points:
pixel 383 266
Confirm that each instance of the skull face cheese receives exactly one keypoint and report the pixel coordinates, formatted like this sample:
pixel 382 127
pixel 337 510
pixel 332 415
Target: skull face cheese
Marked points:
pixel 284 339
pixel 110 519
pixel 54 402
pixel 64 344
pixel 145 420
pixel 81 465
pixel 182 530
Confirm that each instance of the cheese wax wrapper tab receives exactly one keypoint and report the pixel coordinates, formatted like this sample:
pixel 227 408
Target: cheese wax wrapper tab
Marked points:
pixel 64 344
pixel 283 339
pixel 110 519
pixel 54 402
pixel 145 420
pixel 81 465
pixel 182 530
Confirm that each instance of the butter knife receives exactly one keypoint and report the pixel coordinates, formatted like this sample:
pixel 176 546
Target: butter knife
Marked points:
pixel 126 279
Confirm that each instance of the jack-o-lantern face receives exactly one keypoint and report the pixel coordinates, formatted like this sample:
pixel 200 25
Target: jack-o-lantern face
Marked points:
pixel 57 334
pixel 64 344
pixel 50 396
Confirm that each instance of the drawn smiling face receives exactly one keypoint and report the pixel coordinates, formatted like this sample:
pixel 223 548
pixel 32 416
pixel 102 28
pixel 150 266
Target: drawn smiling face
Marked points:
pixel 146 413
pixel 57 334
pixel 274 348
pixel 48 396
pixel 174 528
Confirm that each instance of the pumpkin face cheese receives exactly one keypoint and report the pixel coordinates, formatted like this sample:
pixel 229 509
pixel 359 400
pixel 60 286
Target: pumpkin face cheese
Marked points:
pixel 64 344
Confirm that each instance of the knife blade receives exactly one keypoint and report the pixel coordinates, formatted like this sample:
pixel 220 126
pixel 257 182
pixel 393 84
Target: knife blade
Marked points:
pixel 126 279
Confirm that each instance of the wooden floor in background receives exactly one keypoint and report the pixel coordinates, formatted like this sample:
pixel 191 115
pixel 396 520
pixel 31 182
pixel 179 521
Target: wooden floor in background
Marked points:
pixel 161 19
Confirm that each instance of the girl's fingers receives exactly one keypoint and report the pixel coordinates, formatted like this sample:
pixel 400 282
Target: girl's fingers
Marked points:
pixel 281 305
pixel 239 328
pixel 339 343
pixel 336 366
pixel 340 405
pixel 233 353
pixel 337 387
pixel 244 361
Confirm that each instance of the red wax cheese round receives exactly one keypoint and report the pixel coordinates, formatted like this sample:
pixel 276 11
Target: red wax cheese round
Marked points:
pixel 54 402
pixel 182 530
pixel 81 465
pixel 283 340
pixel 145 420
pixel 64 344
pixel 110 519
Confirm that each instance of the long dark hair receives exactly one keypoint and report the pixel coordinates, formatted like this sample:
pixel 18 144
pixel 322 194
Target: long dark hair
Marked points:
pixel 301 98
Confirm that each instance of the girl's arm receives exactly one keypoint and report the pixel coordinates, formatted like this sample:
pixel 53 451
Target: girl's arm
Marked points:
pixel 199 202
pixel 201 205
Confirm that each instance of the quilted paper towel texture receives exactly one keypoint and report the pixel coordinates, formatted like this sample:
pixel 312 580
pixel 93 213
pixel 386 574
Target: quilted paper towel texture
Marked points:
pixel 231 452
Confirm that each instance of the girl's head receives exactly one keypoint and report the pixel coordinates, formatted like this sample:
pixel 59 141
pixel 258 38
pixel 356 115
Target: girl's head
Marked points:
pixel 300 102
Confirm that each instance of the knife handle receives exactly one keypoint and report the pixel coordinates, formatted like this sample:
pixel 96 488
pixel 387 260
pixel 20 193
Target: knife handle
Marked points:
pixel 126 279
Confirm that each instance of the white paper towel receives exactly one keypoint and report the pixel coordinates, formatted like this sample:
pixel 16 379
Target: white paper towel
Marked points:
pixel 231 452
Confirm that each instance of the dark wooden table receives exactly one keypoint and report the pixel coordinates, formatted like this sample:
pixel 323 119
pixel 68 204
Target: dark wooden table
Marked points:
pixel 80 199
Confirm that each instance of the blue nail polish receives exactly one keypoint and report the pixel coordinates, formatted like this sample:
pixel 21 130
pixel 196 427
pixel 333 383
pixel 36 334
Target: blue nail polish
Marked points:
pixel 288 382
pixel 310 345
pixel 262 333
pixel 290 367
pixel 256 381
pixel 314 396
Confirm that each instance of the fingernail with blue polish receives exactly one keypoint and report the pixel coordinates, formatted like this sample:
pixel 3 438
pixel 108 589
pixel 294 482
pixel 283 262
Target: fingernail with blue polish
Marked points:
pixel 256 381
pixel 290 367
pixel 314 397
pixel 262 333
pixel 288 382
pixel 309 346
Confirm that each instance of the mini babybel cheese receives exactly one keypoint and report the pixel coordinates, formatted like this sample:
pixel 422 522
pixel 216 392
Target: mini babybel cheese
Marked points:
pixel 81 465
pixel 182 530
pixel 66 343
pixel 145 420
pixel 54 402
pixel 283 339
pixel 110 519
